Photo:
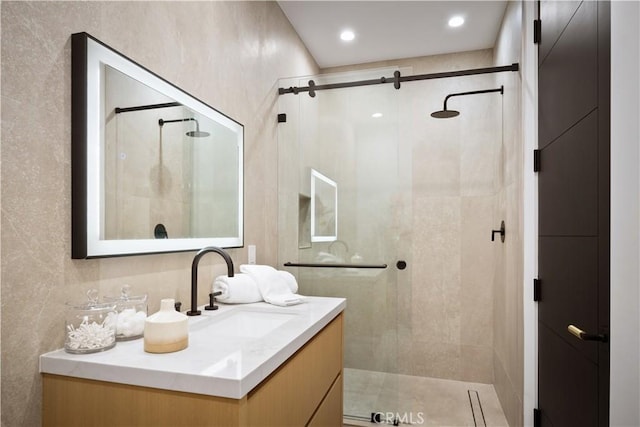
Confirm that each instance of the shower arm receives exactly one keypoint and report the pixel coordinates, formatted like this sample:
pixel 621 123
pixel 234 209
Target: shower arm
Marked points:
pixel 192 133
pixel 119 110
pixel 161 122
pixel 474 92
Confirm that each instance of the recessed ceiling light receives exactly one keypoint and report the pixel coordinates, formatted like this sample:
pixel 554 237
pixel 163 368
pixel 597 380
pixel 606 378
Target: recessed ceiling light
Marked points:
pixel 347 35
pixel 376 115
pixel 456 21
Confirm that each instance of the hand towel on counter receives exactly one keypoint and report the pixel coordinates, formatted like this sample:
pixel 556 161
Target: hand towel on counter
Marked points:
pixel 239 289
pixel 273 286
pixel 290 279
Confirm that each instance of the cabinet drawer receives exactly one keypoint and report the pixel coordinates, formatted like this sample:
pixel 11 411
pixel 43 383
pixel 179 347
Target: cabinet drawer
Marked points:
pixel 290 396
pixel 77 402
pixel 329 414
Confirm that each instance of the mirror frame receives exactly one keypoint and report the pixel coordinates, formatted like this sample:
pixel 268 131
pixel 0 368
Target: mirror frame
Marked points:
pixel 87 169
pixel 318 177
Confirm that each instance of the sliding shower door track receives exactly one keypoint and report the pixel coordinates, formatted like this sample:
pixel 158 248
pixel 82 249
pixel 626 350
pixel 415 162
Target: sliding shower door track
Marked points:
pixel 396 79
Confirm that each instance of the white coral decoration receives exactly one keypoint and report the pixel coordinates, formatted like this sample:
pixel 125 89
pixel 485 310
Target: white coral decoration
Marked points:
pixel 91 336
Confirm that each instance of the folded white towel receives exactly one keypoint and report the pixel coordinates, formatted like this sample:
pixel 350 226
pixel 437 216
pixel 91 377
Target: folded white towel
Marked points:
pixel 273 286
pixel 239 289
pixel 286 300
pixel 290 279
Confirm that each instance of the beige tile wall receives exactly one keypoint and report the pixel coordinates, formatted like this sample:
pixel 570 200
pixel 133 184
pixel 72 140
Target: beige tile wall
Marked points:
pixel 435 318
pixel 462 316
pixel 454 187
pixel 508 357
pixel 229 54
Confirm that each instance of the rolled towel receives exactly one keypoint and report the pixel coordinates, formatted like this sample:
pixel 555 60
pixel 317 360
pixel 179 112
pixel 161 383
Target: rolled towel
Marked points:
pixel 239 289
pixel 272 285
pixel 290 279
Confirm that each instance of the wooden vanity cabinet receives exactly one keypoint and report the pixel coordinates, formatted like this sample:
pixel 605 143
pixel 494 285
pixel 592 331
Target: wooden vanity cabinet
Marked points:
pixel 306 390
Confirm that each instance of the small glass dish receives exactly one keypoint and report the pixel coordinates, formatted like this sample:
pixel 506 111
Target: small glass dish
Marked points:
pixel 132 313
pixel 90 327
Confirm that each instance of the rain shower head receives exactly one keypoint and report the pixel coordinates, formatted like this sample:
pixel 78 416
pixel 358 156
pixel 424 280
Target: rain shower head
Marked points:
pixel 192 133
pixel 445 113
pixel 197 133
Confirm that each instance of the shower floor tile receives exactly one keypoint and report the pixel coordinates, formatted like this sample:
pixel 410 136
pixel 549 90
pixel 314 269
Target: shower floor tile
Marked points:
pixel 419 401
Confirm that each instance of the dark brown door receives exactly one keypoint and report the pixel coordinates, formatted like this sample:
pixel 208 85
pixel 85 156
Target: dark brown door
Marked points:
pixel 573 183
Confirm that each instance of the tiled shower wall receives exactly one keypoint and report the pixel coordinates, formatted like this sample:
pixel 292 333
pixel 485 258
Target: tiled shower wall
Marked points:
pixel 462 317
pixel 508 329
pixel 454 183
pixel 229 54
pixel 442 304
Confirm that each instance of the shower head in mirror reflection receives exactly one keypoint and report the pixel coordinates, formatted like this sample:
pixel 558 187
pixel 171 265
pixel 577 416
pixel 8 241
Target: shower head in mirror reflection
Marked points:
pixel 192 133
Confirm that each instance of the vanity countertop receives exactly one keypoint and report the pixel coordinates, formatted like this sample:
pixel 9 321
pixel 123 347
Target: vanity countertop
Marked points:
pixel 218 361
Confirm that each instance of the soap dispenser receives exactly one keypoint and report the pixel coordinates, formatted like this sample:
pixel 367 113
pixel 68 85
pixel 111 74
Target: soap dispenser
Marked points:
pixel 167 330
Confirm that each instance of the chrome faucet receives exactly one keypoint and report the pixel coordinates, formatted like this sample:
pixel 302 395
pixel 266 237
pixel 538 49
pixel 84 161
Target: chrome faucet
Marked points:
pixel 194 275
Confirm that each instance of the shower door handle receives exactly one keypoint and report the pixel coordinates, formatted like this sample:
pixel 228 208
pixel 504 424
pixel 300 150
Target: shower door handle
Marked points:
pixel 401 265
pixel 501 232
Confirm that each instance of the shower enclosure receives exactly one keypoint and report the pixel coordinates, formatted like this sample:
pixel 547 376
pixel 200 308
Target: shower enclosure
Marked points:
pixel 415 202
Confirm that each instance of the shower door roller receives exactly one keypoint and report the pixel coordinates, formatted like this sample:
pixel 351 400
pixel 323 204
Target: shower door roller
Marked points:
pixel 401 265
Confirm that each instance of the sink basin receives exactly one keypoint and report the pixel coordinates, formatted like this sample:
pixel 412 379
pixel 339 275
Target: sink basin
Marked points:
pixel 241 323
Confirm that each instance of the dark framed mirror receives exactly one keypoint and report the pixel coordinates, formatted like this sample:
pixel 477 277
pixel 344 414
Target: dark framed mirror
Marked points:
pixel 154 169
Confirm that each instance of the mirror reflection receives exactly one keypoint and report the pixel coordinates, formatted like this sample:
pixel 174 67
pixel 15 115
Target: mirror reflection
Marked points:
pixel 170 172
pixel 324 208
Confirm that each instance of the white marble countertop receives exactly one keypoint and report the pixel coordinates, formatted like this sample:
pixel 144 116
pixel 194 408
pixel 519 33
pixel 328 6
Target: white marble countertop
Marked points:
pixel 218 361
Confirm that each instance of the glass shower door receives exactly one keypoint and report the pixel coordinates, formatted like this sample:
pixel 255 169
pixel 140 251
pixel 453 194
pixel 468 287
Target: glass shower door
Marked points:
pixel 353 139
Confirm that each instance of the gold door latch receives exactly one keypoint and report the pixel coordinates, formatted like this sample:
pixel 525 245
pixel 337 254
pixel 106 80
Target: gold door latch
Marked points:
pixel 582 335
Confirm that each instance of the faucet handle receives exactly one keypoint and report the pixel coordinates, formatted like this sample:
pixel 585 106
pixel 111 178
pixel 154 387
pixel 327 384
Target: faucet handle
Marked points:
pixel 212 301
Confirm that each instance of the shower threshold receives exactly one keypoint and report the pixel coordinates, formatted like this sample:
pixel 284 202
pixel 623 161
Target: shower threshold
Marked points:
pixel 379 398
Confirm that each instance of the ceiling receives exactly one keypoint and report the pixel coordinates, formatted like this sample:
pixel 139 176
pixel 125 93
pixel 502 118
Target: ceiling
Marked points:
pixel 387 30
